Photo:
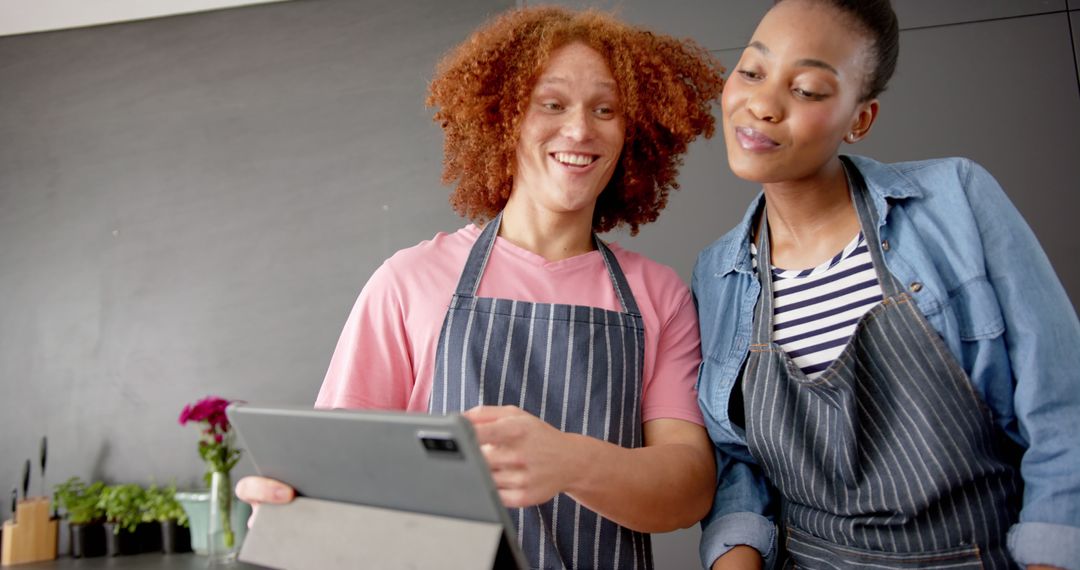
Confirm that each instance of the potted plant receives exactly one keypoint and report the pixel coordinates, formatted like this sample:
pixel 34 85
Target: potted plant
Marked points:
pixel 163 507
pixel 81 504
pixel 126 518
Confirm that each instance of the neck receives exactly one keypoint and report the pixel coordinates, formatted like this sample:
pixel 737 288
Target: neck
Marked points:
pixel 810 220
pixel 553 236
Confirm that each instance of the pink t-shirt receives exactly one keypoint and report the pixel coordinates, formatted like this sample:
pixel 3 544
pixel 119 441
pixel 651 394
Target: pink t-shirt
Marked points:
pixel 385 358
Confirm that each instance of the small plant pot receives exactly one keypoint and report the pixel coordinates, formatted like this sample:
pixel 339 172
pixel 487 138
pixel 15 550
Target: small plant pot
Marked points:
pixel 87 540
pixel 145 538
pixel 175 538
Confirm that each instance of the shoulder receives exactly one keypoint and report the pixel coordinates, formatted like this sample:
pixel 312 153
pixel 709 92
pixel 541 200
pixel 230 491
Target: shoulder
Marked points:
pixel 426 268
pixel 950 178
pixel 443 244
pixel 657 287
pixel 655 276
pixel 725 250
pixel 914 168
pixel 731 252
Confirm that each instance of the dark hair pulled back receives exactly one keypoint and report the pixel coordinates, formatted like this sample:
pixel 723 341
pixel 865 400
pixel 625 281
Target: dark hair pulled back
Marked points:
pixel 878 20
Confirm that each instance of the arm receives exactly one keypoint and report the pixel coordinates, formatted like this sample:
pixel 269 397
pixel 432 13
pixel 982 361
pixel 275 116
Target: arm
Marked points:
pixel 670 479
pixel 738 531
pixel 371 367
pixel 1042 336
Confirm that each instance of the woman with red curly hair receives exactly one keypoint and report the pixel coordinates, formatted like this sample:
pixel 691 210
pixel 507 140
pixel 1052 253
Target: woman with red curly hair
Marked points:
pixel 575 359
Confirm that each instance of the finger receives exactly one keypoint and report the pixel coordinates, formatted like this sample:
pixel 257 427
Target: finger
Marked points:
pixel 254 511
pixel 508 479
pixel 516 498
pixel 482 415
pixel 263 490
pixel 489 434
pixel 501 458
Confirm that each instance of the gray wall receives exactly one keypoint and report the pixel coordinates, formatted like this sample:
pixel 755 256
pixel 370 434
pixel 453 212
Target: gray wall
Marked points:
pixel 189 205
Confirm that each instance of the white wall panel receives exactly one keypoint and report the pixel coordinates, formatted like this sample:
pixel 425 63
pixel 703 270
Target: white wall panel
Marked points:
pixel 1074 17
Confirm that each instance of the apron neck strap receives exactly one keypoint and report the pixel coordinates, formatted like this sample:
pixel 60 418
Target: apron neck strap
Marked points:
pixel 763 318
pixel 481 252
pixel 868 222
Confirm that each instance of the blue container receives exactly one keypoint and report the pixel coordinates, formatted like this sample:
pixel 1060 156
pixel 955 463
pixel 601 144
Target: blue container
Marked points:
pixel 197 506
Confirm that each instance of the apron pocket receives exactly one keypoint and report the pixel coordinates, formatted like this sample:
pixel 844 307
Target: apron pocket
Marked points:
pixel 808 551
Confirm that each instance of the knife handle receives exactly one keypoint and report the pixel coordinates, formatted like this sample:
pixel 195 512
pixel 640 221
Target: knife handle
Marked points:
pixel 26 479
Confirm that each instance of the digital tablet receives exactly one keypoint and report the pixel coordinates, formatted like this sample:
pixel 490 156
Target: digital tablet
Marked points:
pixel 411 462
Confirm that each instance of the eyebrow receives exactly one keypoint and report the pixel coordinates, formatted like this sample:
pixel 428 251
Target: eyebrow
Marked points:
pixel 800 63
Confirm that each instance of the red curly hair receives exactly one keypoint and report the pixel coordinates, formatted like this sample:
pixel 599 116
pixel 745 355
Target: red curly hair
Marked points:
pixel 482 89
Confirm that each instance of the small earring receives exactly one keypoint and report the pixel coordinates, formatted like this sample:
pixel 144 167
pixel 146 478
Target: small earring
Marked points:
pixel 850 137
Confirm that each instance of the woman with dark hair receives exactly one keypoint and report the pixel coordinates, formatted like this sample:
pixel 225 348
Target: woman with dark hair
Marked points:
pixel 891 373
pixel 575 359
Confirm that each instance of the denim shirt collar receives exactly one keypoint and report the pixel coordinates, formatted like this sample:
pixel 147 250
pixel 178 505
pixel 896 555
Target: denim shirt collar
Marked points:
pixel 884 181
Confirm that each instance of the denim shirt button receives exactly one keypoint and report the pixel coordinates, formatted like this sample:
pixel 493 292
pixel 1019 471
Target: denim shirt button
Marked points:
pixel 885 244
pixel 916 287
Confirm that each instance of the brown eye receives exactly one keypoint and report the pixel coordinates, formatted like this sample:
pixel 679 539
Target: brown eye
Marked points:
pixel 808 94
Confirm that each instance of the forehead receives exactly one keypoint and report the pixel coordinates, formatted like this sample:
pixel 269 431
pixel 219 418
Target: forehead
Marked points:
pixel 810 29
pixel 578 64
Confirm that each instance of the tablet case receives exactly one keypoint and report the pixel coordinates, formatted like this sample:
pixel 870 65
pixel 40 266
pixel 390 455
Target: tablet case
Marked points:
pixel 376 489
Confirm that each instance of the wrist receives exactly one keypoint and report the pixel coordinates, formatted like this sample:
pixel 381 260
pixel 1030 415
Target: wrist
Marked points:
pixel 579 455
pixel 740 556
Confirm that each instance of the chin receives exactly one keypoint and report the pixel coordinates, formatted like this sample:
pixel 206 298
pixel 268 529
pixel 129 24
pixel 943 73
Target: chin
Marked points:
pixel 751 170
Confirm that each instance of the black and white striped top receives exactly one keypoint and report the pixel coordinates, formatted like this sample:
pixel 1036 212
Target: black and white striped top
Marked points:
pixel 816 310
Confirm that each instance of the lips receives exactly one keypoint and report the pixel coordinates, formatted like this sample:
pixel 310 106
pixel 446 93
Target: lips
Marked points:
pixel 752 140
pixel 574 159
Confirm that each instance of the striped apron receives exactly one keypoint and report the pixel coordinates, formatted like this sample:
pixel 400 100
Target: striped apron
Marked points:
pixel 887 460
pixel 577 368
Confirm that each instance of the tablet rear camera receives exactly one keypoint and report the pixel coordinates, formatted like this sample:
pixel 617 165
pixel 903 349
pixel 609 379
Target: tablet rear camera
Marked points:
pixel 439 444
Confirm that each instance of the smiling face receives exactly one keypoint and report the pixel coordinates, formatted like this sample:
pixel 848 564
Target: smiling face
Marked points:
pixel 795 94
pixel 571 136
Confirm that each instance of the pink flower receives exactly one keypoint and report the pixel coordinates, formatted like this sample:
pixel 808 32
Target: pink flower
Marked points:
pixel 216 444
pixel 210 409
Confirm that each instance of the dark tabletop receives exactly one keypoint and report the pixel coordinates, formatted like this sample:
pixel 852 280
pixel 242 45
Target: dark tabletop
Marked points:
pixel 150 561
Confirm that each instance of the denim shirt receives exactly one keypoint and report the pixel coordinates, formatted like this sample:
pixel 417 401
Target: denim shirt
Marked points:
pixel 978 274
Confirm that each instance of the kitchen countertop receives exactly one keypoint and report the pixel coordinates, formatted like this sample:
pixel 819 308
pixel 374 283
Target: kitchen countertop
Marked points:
pixel 149 561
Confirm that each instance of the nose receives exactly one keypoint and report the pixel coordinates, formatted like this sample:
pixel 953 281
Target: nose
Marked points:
pixel 763 104
pixel 578 124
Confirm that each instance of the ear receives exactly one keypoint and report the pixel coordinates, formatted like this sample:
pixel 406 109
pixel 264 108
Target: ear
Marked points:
pixel 864 119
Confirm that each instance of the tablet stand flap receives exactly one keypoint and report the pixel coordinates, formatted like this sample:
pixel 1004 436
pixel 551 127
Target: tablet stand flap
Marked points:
pixel 326 535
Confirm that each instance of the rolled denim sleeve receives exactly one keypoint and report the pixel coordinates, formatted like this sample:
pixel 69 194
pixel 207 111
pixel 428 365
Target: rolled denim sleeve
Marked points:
pixel 1044 543
pixel 1042 338
pixel 738 513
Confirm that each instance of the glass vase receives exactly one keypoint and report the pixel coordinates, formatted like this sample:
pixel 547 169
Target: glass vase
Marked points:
pixel 221 543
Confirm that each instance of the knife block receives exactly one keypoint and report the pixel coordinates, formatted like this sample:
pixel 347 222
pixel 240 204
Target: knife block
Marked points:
pixel 32 535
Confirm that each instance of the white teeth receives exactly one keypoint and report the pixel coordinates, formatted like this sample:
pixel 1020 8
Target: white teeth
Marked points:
pixel 574 159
